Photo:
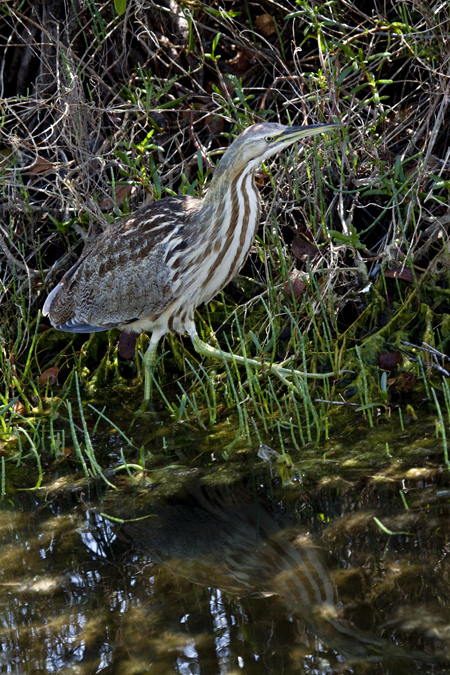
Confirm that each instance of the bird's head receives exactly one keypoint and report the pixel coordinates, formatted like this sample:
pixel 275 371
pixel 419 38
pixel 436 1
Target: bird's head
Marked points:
pixel 260 141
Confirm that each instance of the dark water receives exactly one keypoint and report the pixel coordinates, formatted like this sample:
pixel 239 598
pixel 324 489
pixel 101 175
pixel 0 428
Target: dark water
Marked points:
pixel 223 569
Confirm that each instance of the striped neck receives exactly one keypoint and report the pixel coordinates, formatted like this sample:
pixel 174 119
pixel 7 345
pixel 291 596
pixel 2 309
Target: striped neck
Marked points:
pixel 230 217
pixel 228 195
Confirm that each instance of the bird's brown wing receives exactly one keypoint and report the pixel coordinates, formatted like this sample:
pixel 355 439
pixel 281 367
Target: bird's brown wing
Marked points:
pixel 123 276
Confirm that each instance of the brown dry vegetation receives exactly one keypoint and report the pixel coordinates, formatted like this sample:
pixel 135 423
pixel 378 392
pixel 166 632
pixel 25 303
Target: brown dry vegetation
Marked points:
pixel 102 112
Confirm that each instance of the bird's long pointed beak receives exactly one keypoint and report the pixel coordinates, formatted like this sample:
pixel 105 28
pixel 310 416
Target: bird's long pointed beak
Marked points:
pixel 296 133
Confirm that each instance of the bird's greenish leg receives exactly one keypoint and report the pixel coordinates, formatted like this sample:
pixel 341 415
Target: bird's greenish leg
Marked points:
pixel 149 362
pixel 282 373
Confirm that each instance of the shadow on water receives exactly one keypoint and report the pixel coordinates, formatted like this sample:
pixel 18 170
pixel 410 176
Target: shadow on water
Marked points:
pixel 243 577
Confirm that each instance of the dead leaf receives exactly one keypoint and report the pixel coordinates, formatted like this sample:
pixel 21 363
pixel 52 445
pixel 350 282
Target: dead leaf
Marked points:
pixel 41 164
pixel 389 361
pixel 122 192
pixel 19 408
pixel 304 250
pixel 51 374
pixel 404 274
pixel 260 178
pixel 404 383
pixel 305 233
pixel 63 454
pixel 201 115
pixel 215 124
pixel 265 23
pixel 240 63
pixel 298 285
pixel 127 344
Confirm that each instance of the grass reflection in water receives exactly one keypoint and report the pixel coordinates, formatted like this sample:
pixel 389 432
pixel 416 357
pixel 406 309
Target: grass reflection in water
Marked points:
pixel 226 580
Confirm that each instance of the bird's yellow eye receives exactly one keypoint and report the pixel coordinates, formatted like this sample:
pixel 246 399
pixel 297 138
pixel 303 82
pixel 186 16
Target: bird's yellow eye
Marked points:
pixel 269 139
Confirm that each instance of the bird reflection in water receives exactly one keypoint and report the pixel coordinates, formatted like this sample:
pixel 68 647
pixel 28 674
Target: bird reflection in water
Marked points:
pixel 220 540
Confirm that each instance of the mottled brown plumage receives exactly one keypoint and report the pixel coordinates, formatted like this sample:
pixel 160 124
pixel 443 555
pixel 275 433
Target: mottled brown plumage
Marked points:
pixel 124 275
pixel 152 269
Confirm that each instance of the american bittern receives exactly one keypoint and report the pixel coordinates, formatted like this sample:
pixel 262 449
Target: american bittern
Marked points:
pixel 152 269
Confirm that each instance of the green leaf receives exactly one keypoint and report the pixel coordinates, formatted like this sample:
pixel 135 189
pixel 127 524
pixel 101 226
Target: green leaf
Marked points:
pixel 384 529
pixel 10 404
pixel 146 142
pixel 439 182
pixel 380 55
pixel 347 50
pixel 349 240
pixel 256 342
pixel 386 192
pixel 222 13
pixel 359 88
pixel 369 406
pixel 346 71
pixel 120 6
pixel 170 192
pixel 123 157
pixel 398 169
pixel 216 42
pixel 171 104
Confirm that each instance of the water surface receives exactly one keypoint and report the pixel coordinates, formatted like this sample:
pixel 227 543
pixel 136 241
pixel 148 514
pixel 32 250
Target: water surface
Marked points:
pixel 221 567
